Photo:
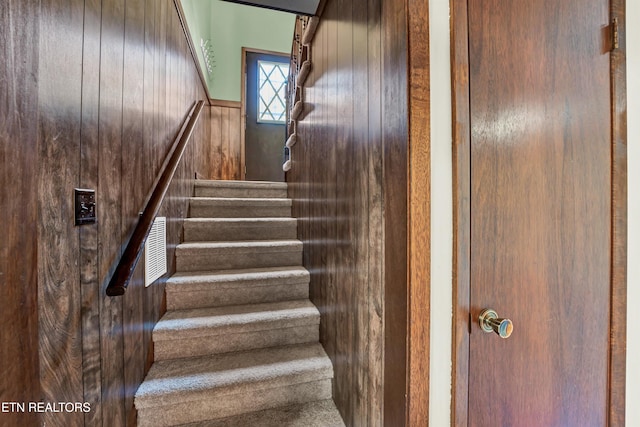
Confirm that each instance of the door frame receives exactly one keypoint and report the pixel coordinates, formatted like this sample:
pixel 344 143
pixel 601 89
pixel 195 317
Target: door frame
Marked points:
pixel 243 100
pixel 462 217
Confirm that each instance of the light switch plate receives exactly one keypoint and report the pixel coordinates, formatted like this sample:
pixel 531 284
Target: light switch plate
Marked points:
pixel 85 206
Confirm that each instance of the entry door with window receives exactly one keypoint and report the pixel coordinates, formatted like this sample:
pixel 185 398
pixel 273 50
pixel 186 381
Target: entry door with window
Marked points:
pixel 266 79
pixel 541 203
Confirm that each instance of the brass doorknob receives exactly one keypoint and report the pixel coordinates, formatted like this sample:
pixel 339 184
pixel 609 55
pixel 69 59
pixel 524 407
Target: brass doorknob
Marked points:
pixel 490 322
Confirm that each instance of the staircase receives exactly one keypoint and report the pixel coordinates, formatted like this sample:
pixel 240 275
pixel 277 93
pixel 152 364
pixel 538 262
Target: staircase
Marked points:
pixel 238 345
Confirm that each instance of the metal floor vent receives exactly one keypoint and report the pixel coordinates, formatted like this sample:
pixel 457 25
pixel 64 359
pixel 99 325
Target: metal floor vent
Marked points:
pixel 155 252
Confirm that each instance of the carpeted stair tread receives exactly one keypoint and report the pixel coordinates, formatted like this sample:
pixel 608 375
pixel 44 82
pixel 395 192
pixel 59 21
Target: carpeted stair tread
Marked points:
pixel 236 287
pixel 201 280
pixel 240 188
pixel 230 183
pixel 321 413
pixel 230 229
pixel 183 380
pixel 202 331
pixel 243 246
pixel 249 201
pixel 198 256
pixel 239 207
pixel 215 321
pixel 240 221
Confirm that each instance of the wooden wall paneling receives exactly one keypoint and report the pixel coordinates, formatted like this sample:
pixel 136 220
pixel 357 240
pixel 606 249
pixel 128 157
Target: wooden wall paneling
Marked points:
pixel 345 200
pixel 202 157
pixel 149 93
pixel 181 105
pixel 234 143
pixel 109 210
pixel 618 357
pixel 419 214
pixel 394 125
pixel 183 184
pixel 299 181
pixel 91 106
pixel 171 64
pixel 311 146
pixel 376 215
pixel 160 82
pixel 225 142
pixel 202 133
pixel 59 297
pixel 149 114
pixel 89 275
pixel 359 216
pixel 133 191
pixel 315 200
pixel 319 200
pixel 305 170
pixel 337 185
pixel 149 133
pixel 216 141
pixel 208 163
pixel 311 185
pixel 20 28
pixel 175 68
pixel 172 120
pixel 328 212
pixel 330 156
pixel 163 8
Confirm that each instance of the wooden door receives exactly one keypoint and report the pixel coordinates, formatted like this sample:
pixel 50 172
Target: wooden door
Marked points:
pixel 541 244
pixel 265 136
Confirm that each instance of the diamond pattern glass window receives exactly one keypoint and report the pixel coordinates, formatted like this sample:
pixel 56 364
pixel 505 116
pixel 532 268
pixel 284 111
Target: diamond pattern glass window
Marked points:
pixel 272 82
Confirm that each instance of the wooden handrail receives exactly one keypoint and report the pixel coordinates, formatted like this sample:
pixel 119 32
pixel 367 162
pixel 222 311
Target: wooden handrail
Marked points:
pixel 127 264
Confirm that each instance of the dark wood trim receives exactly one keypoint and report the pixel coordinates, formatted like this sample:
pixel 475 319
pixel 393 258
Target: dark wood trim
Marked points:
pixel 243 112
pixel 192 47
pixel 265 51
pixel 395 146
pixel 462 217
pixel 225 103
pixel 618 343
pixel 461 211
pixel 243 100
pixel 419 210
pixel 132 252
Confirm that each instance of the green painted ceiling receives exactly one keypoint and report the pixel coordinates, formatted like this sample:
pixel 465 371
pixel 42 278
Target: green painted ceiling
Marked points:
pixel 228 27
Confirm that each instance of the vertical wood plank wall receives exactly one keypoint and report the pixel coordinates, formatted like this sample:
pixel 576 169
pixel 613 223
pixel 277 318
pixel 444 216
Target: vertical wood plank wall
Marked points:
pixel 115 80
pixel 19 25
pixel 349 187
pixel 226 141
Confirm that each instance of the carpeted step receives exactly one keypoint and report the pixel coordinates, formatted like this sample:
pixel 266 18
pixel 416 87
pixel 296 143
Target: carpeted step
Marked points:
pixel 201 331
pixel 235 229
pixel 202 256
pixel 181 391
pixel 236 287
pixel 218 207
pixel 244 189
pixel 322 413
